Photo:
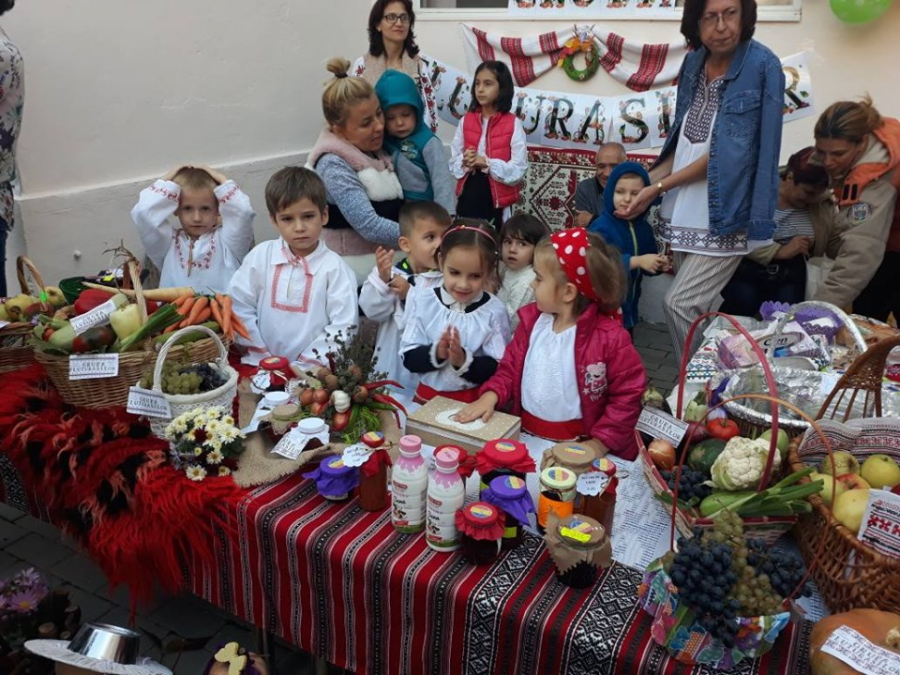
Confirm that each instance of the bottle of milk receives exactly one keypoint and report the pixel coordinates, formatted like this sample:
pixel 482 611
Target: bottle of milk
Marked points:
pixel 446 496
pixel 409 486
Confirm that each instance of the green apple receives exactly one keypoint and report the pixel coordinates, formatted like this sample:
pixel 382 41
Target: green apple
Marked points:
pixel 830 488
pixel 783 441
pixel 880 471
pixel 844 462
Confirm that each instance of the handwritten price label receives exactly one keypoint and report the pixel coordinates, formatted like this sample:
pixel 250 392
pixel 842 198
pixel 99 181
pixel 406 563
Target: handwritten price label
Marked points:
pixel 148 403
pixel 592 483
pixel 857 652
pixel 575 535
pixel 96 317
pixel 93 366
pixel 356 455
pixel 659 424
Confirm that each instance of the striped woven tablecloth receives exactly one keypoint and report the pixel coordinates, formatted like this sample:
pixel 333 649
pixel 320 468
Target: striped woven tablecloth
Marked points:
pixel 342 584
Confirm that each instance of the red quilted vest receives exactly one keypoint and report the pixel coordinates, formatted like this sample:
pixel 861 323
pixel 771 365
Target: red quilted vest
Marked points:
pixel 497 146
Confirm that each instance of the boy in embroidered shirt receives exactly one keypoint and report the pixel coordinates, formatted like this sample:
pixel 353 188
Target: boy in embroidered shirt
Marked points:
pixel 293 293
pixel 388 291
pixel 214 231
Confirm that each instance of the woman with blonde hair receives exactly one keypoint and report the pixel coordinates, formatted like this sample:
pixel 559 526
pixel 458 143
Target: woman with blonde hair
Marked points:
pixel 860 150
pixel 364 194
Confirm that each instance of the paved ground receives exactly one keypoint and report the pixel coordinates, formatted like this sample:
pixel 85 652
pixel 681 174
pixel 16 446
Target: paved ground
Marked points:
pixel 26 541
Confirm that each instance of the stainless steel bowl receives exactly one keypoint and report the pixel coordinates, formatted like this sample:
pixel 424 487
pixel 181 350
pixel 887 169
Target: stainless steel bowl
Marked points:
pixel 107 643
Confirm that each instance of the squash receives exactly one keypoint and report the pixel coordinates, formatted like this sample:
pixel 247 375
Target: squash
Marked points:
pixel 702 456
pixel 880 628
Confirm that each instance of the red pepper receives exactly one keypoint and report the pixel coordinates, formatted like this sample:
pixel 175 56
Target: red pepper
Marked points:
pixel 723 429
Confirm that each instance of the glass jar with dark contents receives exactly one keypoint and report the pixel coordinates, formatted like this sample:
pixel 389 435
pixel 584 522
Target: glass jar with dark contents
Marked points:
pixel 480 528
pixel 602 505
pixel 510 495
pixel 373 493
pixel 503 457
pixel 334 480
pixel 580 549
pixel 279 370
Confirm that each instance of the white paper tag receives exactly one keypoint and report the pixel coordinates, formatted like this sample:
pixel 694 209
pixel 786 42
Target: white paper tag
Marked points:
pixel 356 455
pixel 880 527
pixel 260 382
pixel 291 445
pixel 4 324
pixel 660 424
pixel 857 652
pixel 592 483
pixel 96 317
pixel 93 366
pixel 149 403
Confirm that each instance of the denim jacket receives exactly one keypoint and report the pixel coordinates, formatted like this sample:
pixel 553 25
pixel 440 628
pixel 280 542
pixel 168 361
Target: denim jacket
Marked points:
pixel 746 138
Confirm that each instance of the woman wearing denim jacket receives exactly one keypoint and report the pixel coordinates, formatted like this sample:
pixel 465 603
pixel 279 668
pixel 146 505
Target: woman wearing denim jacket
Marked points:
pixel 718 168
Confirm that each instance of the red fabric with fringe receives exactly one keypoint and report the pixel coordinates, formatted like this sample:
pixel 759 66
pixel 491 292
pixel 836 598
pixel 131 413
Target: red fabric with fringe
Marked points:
pixel 104 478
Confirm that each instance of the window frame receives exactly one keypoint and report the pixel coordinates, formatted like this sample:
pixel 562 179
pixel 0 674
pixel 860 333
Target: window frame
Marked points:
pixel 793 12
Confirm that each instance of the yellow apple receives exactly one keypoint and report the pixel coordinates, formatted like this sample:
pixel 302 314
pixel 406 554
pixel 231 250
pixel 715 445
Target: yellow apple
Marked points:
pixel 849 508
pixel 16 306
pixel 881 471
pixel 844 462
pixel 55 296
pixel 830 488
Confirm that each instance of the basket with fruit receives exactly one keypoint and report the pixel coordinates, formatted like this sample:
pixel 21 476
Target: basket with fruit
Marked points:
pixel 19 316
pixel 850 573
pixel 190 386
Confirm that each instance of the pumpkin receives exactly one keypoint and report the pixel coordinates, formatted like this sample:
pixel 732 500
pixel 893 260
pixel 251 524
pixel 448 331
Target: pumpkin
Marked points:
pixel 880 628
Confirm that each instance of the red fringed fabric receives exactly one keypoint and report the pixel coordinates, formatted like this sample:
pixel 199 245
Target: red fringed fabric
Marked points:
pixel 105 480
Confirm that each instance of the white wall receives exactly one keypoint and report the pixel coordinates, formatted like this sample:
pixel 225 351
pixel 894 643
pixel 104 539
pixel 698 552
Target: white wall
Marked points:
pixel 118 91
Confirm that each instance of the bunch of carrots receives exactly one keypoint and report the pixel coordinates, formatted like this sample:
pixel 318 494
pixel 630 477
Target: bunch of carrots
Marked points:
pixel 198 309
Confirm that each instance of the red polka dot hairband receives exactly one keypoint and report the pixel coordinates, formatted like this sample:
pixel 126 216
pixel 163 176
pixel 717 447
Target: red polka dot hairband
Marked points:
pixel 571 250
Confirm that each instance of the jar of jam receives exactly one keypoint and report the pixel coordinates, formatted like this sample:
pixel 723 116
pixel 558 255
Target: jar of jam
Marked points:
pixel 574 456
pixel 503 457
pixel 373 494
pixel 279 370
pixel 480 528
pixel 601 506
pixel 510 495
pixel 334 479
pixel 580 549
pixel 557 494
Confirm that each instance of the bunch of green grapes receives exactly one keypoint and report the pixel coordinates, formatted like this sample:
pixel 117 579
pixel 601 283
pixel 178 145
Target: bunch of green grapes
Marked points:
pixel 182 383
pixel 147 378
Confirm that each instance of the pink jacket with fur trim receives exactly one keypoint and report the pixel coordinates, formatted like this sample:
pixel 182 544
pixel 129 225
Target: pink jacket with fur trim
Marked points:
pixel 607 365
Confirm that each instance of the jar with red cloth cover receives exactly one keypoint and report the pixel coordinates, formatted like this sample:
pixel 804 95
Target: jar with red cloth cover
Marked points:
pixel 480 528
pixel 279 370
pixel 510 495
pixel 503 457
pixel 373 494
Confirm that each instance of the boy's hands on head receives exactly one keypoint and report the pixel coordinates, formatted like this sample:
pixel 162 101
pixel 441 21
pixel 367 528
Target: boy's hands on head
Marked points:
pixel 170 176
pixel 482 409
pixel 456 352
pixel 215 175
pixel 384 260
pixel 443 346
pixel 399 286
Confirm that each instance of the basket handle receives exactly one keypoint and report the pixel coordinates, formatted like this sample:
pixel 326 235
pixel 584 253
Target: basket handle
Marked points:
pixel 767 372
pixel 164 352
pixel 865 373
pixel 24 263
pixel 814 424
pixel 814 304
pixel 134 271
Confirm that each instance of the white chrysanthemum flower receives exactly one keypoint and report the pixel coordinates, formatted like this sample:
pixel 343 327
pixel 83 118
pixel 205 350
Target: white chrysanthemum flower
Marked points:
pixel 228 434
pixel 213 428
pixel 224 471
pixel 228 419
pixel 214 444
pixel 198 451
pixel 195 472
pixel 215 457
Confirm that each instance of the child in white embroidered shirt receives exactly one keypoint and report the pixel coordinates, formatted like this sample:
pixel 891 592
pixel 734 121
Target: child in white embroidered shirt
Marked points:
pixel 518 237
pixel 387 293
pixel 456 332
pixel 293 293
pixel 215 233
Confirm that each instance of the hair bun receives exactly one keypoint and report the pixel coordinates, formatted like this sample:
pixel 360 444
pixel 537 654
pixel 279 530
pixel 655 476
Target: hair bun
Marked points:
pixel 338 66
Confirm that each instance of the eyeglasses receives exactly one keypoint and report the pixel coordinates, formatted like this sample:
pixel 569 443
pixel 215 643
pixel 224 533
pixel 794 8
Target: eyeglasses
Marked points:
pixel 728 17
pixel 397 18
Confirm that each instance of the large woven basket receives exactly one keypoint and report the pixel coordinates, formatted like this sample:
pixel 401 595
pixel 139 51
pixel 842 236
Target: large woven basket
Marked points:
pixel 220 397
pixel 848 573
pixel 18 352
pixel 766 528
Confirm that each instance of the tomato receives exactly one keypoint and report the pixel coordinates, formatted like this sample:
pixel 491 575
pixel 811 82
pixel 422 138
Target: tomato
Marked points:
pixel 723 429
pixel 93 339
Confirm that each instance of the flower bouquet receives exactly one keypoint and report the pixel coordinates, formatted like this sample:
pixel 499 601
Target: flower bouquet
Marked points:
pixel 205 441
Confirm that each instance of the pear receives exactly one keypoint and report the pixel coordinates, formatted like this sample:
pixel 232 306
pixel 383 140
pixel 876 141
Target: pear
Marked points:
pixel 55 296
pixel 844 462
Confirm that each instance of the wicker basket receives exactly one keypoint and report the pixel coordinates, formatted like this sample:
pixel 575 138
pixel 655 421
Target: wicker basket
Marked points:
pixel 848 573
pixel 221 397
pixel 20 354
pixel 113 391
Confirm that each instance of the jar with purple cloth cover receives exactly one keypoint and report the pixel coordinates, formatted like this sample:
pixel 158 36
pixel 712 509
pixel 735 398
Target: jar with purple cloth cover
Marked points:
pixel 510 495
pixel 334 479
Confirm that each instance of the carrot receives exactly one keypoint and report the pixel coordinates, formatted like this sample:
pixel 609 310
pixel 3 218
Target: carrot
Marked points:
pixel 170 329
pixel 216 311
pixel 185 308
pixel 204 317
pixel 181 300
pixel 240 327
pixel 201 304
pixel 227 314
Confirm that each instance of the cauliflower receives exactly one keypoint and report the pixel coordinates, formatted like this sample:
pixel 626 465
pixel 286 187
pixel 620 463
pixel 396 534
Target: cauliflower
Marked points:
pixel 741 464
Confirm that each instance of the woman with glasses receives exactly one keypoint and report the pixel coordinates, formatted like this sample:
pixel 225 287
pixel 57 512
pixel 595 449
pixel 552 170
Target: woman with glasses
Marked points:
pixel 392 46
pixel 718 170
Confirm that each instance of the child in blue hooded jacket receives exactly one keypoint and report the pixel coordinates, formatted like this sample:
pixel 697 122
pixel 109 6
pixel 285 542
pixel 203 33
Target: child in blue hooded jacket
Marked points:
pixel 634 238
pixel 419 157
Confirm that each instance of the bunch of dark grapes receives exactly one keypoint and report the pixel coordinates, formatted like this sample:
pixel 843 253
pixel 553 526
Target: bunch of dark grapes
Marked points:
pixel 691 489
pixel 702 571
pixel 210 378
pixel 785 571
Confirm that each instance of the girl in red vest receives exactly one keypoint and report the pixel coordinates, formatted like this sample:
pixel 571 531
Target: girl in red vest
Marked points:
pixel 571 371
pixel 488 155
